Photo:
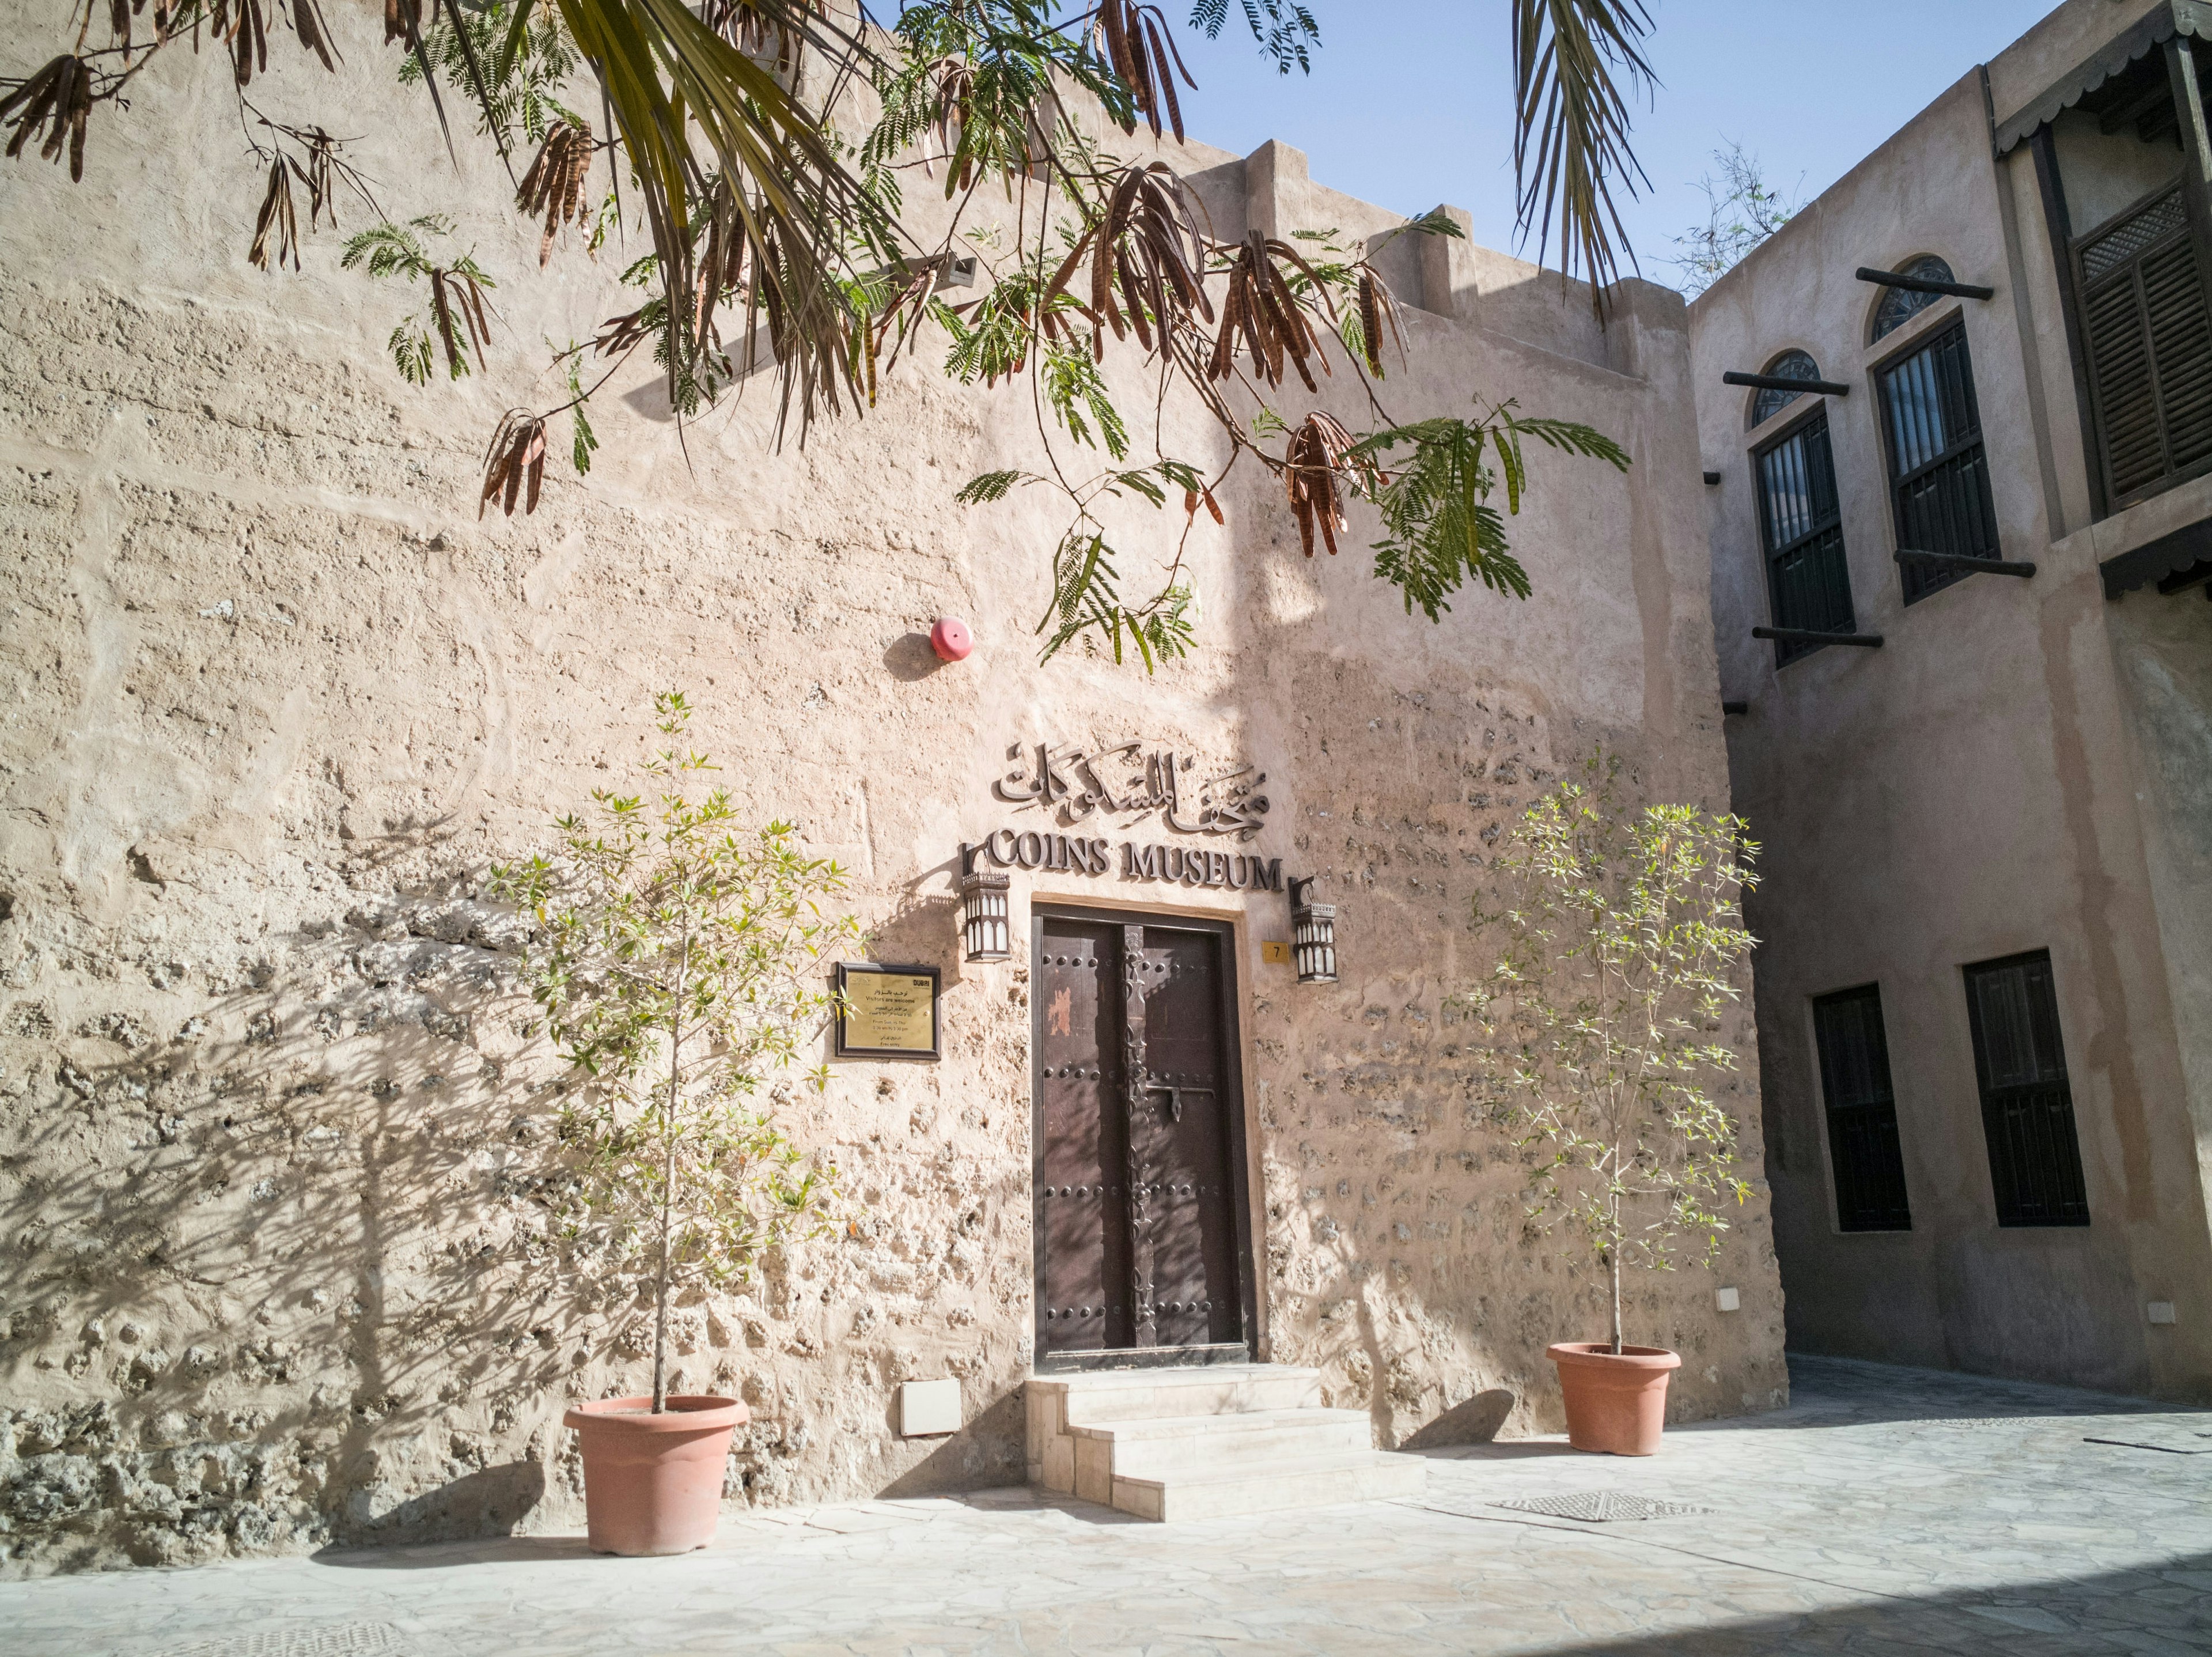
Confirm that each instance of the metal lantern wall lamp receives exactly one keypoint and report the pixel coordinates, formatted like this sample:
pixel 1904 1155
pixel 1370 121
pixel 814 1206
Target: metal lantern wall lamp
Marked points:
pixel 1313 934
pixel 983 910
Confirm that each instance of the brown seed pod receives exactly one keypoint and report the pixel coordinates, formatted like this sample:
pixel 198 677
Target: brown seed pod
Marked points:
pixel 1319 469
pixel 1145 246
pixel 276 217
pixel 1140 47
pixel 553 186
pixel 515 465
pixel 1265 316
pixel 57 99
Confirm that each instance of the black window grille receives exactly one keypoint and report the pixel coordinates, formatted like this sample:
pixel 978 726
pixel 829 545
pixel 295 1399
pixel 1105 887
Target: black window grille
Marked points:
pixel 1939 471
pixel 1900 305
pixel 1807 582
pixel 2027 1109
pixel 1769 401
pixel 1862 1147
pixel 2150 345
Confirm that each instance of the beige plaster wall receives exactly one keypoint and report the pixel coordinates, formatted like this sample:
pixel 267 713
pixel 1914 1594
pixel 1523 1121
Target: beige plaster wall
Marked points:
pixel 269 1120
pixel 2007 773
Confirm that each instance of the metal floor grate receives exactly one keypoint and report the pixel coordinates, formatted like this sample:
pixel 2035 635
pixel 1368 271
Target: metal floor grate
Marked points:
pixel 1601 1507
pixel 329 1640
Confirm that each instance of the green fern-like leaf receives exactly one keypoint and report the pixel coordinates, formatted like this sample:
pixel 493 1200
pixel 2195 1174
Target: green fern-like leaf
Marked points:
pixel 1076 392
pixel 584 439
pixel 991 486
pixel 409 346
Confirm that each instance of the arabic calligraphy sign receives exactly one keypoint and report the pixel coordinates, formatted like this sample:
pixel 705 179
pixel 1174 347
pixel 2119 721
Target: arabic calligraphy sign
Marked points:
pixel 1071 782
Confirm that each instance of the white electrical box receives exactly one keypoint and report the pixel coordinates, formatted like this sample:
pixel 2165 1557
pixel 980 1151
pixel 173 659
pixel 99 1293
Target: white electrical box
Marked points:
pixel 2159 1312
pixel 929 1409
pixel 1726 1299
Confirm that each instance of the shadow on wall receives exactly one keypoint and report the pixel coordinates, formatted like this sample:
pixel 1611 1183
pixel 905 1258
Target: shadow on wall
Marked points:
pixel 911 658
pixel 1474 1421
pixel 990 1449
pixel 925 929
pixel 294 1258
pixel 296 1263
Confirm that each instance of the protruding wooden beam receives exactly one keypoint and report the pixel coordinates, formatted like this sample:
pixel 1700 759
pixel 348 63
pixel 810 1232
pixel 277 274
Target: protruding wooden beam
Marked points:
pixel 1924 285
pixel 1966 562
pixel 1807 636
pixel 1778 382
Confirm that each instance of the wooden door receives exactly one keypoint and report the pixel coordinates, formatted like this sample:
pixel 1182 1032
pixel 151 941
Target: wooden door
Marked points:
pixel 1141 1246
pixel 1081 1203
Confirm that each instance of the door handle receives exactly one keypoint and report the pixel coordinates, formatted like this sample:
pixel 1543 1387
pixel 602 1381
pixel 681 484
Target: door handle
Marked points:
pixel 1174 1097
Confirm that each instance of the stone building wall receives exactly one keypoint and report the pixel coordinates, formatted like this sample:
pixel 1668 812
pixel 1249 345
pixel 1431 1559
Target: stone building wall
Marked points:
pixel 270 1118
pixel 2019 767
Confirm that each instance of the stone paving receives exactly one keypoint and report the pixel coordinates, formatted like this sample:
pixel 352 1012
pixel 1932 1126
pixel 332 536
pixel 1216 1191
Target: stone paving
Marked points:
pixel 1886 1511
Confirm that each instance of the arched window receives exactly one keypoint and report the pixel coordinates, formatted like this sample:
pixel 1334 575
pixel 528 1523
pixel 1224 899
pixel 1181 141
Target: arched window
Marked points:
pixel 1790 365
pixel 1900 305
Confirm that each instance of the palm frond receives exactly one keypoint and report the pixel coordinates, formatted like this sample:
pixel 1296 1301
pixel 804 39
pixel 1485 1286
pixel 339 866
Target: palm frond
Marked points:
pixel 1576 65
pixel 689 105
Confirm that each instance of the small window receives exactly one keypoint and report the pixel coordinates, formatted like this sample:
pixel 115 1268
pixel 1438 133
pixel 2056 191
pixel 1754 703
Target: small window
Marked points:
pixel 1863 1146
pixel 1900 305
pixel 1807 584
pixel 1767 403
pixel 2027 1109
pixel 1939 471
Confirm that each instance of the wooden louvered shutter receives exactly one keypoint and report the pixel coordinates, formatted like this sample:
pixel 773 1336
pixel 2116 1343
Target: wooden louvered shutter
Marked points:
pixel 2149 339
pixel 1863 1145
pixel 2027 1103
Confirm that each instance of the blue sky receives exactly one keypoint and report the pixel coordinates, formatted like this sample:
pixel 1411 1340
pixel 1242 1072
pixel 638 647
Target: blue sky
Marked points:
pixel 1409 102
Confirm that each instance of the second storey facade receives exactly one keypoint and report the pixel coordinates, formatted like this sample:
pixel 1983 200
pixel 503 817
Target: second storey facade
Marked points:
pixel 1956 419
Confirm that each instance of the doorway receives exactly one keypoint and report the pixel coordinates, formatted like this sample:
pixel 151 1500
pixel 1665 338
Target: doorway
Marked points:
pixel 1144 1252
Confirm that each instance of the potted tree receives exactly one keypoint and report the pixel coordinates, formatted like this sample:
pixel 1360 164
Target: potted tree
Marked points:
pixel 1620 935
pixel 678 960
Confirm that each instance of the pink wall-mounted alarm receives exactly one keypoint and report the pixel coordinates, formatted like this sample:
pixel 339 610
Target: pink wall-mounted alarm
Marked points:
pixel 951 639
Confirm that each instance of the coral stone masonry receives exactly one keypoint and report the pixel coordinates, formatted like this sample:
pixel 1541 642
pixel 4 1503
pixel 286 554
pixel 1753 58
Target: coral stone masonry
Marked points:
pixel 276 1125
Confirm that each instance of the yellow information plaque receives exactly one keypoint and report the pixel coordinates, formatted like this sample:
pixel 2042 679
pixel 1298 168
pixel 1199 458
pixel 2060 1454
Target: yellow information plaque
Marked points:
pixel 889 1012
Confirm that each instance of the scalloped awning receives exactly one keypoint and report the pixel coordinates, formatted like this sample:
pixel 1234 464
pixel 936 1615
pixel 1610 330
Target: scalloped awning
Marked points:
pixel 2163 561
pixel 2191 17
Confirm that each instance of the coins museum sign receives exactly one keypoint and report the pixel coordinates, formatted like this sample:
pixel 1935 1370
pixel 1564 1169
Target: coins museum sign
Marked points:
pixel 1076 788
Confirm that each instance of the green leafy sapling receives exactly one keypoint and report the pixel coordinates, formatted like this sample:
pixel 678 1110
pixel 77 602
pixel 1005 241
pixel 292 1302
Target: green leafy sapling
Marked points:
pixel 680 960
pixel 1620 939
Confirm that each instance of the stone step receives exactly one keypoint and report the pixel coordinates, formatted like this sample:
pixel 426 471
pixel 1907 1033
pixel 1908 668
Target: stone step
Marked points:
pixel 1221 1443
pixel 1207 1441
pixel 1305 1482
pixel 1150 1394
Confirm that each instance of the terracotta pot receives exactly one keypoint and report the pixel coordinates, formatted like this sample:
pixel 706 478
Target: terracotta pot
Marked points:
pixel 1616 1402
pixel 652 1484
